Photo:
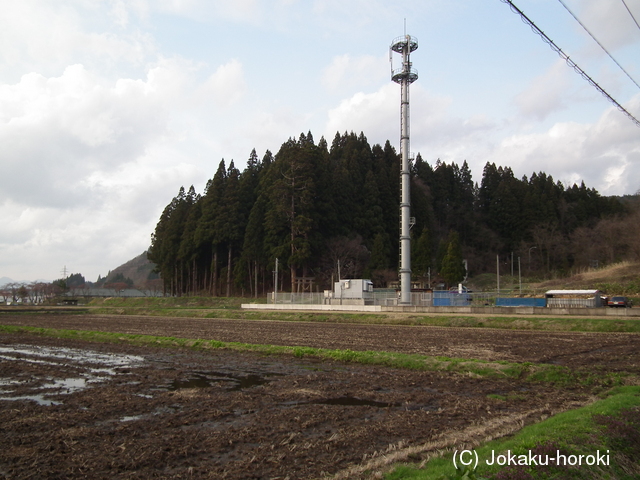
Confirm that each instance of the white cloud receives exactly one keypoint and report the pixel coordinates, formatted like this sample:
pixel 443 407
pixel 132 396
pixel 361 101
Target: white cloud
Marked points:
pixel 349 72
pixel 610 22
pixel 108 107
pixel 121 11
pixel 54 131
pixel 434 132
pixel 605 155
pixel 269 129
pixel 226 86
pixel 547 93
pixel 89 236
pixel 366 112
pixel 79 239
pixel 251 11
pixel 47 36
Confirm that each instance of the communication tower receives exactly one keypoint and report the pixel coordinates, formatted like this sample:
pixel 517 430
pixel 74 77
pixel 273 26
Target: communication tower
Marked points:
pixel 405 76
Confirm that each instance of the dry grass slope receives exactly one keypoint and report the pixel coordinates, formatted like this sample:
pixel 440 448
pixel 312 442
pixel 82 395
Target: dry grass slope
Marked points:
pixel 622 274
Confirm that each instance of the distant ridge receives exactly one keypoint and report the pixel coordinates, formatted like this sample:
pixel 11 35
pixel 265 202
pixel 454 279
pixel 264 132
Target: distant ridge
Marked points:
pixel 6 280
pixel 138 269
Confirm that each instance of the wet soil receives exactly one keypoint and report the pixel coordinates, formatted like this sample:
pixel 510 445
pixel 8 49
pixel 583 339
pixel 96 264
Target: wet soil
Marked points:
pixel 75 409
pixel 612 351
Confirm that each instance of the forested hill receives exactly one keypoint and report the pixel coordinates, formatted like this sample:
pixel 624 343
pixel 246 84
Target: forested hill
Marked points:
pixel 313 204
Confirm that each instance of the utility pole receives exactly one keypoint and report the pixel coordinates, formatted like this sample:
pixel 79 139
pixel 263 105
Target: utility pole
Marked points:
pixel 511 264
pixel 275 291
pixel 520 275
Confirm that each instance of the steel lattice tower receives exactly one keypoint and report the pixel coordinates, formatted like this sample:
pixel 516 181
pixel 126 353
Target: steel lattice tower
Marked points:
pixel 405 76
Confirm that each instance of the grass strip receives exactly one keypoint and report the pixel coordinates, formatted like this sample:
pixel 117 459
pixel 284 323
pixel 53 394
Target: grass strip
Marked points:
pixel 478 368
pixel 232 311
pixel 575 432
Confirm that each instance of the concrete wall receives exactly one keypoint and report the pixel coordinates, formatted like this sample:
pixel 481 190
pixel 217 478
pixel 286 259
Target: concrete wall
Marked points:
pixel 318 308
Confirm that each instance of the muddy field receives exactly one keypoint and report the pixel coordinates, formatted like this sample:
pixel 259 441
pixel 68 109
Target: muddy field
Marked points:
pixel 72 409
pixel 614 351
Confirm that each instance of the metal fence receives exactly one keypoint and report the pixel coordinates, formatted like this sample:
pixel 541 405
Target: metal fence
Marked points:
pixel 573 302
pixel 385 297
pixel 296 298
pixel 390 297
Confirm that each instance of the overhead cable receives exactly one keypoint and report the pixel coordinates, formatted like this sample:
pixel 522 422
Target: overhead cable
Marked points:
pixel 570 62
pixel 598 42
pixel 629 10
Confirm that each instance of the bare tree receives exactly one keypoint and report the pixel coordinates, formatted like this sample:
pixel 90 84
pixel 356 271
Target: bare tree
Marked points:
pixel 351 254
pixel 585 245
pixel 631 234
pixel 610 235
pixel 549 241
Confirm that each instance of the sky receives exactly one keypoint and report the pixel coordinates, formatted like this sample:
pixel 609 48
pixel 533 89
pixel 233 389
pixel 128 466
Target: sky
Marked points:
pixel 108 107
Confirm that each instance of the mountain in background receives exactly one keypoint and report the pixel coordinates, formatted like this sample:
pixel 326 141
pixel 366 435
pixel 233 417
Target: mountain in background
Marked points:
pixel 6 280
pixel 136 272
pixel 139 270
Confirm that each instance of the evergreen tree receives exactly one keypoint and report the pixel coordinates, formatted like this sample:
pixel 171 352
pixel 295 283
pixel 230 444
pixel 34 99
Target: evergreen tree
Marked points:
pixel 380 252
pixel 188 249
pixel 290 218
pixel 422 254
pixel 309 201
pixel 453 270
pixel 75 280
pixel 371 219
pixel 208 235
pixel 165 242
pixel 230 223
pixel 247 271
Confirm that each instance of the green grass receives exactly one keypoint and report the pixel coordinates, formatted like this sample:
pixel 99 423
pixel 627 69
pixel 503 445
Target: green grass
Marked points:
pixel 465 366
pixel 574 432
pixel 553 374
pixel 172 302
pixel 390 359
pixel 229 308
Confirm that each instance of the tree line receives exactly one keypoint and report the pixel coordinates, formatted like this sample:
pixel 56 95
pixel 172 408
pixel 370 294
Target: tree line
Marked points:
pixel 318 207
pixel 74 285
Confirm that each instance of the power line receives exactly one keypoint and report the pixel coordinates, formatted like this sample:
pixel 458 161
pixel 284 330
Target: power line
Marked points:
pixel 628 10
pixel 598 42
pixel 570 62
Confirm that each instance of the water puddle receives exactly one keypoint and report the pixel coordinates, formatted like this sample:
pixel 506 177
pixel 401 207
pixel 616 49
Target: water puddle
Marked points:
pixel 87 368
pixel 355 402
pixel 69 357
pixel 9 382
pixel 345 401
pixel 39 399
pixel 131 418
pixel 229 381
pixel 145 416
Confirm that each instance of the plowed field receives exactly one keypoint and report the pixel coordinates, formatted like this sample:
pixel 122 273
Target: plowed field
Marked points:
pixel 76 409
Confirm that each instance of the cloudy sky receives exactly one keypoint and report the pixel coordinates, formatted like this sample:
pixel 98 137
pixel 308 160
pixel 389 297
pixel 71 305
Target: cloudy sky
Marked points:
pixel 107 107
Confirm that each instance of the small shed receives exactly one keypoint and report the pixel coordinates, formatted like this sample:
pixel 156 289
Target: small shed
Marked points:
pixel 573 298
pixel 353 291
